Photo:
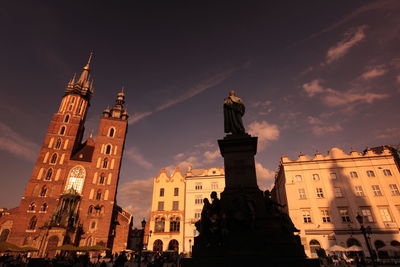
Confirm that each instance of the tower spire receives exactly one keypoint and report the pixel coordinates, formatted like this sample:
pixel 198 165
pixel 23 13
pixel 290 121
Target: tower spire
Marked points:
pixel 86 69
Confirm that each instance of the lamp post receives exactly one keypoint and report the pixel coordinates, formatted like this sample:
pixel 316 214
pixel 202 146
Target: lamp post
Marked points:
pixel 141 242
pixel 190 247
pixel 366 231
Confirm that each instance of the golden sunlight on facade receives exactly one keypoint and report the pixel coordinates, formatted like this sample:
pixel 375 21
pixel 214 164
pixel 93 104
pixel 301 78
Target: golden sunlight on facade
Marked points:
pixel 324 194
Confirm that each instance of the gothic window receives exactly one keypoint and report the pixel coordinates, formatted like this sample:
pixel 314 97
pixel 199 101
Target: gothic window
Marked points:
pixel 80 106
pixel 98 195
pixel 4 235
pixel 102 178
pixel 76 178
pixel 66 119
pixel 44 207
pixel 58 144
pixel 53 159
pixel 159 225
pixel 90 210
pixel 32 223
pixel 111 132
pixel 49 173
pixel 174 224
pixel 62 130
pixel 43 192
pixel 105 163
pixel 32 206
pixel 108 149
pixel 93 225
pixel 73 100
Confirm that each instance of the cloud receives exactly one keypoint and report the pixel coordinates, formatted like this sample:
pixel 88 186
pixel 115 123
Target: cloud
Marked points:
pixel 351 38
pixel 388 133
pixel 335 98
pixel 398 79
pixel 14 143
pixel 312 88
pixel 374 72
pixel 266 132
pixel 191 92
pixel 136 157
pixel 320 126
pixel 211 156
pixel 136 196
pixel 265 177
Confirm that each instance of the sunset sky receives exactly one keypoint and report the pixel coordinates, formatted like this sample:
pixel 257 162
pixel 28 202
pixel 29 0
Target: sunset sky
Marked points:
pixel 312 74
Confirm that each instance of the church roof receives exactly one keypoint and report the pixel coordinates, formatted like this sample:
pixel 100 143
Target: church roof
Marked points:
pixel 85 152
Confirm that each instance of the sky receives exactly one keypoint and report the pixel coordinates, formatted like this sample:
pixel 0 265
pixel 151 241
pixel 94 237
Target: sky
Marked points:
pixel 312 74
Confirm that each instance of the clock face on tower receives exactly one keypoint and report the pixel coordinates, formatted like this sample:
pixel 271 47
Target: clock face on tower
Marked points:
pixel 76 178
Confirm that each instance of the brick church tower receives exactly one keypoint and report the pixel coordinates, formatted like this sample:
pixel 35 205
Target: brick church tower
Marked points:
pixel 71 195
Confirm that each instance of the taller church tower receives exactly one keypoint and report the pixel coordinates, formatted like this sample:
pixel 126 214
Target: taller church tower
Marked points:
pixel 71 195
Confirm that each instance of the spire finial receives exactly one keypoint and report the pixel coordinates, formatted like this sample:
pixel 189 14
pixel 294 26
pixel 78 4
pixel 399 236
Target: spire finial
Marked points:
pixel 87 67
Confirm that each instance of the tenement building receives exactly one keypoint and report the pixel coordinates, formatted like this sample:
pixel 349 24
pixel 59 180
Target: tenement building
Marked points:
pixel 324 194
pixel 176 205
pixel 71 195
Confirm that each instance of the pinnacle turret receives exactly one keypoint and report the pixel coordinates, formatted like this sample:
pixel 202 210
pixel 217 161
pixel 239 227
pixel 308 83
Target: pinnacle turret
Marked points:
pixel 118 111
pixel 84 85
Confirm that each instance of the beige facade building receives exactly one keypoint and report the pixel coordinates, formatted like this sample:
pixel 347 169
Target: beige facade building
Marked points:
pixel 199 185
pixel 176 205
pixel 324 194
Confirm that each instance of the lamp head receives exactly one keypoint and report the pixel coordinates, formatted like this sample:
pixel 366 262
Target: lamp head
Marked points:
pixel 143 223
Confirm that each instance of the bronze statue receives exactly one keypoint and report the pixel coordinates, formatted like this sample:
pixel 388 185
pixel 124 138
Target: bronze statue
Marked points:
pixel 233 112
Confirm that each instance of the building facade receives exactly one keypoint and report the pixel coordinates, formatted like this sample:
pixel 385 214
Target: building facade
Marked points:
pixel 324 194
pixel 71 195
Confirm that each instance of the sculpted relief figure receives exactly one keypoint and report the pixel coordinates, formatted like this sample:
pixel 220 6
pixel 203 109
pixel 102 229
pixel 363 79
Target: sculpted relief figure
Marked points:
pixel 233 112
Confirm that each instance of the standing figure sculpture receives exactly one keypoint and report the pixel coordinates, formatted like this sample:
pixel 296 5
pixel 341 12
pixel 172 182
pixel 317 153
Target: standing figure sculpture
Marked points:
pixel 233 112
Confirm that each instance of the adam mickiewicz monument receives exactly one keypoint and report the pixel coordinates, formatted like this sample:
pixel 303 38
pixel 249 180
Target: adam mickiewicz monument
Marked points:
pixel 245 227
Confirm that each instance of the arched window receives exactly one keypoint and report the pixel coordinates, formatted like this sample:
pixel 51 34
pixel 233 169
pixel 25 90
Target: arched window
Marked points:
pixel 49 173
pixel 98 195
pixel 32 206
pixel 379 244
pixel 43 192
pixel 159 225
pixel 32 223
pixel 395 243
pixel 58 144
pixel 174 224
pixel 111 132
pixel 158 245
pixel 353 242
pixel 102 178
pixel 53 159
pixel 90 241
pixel 62 130
pixel 72 100
pixel 44 207
pixel 173 245
pixel 108 149
pixel 66 119
pixel 90 210
pixel 314 247
pixel 105 163
pixel 76 178
pixel 4 235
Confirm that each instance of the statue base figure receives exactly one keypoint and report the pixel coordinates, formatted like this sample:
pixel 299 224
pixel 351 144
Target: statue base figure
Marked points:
pixel 245 227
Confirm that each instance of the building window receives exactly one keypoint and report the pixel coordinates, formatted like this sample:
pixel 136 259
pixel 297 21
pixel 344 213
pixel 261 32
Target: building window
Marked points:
pixel 298 178
pixel 62 130
pixel 377 190
pixel 367 214
pixel 385 214
pixel 76 178
pixel 197 215
pixel 176 191
pixel 315 177
pixel 32 207
pixel 353 175
pixel 214 185
pixel 108 149
pixel 302 193
pixel 90 210
pixel 198 186
pixel 198 200
pixel 162 192
pixel 32 223
pixel 93 225
pixel 394 189
pixel 105 163
pixel 43 192
pixel 338 192
pixel 175 205
pixel 98 195
pixel 387 172
pixel 53 159
pixel 43 208
pixel 159 225
pixel 306 216
pixel 333 175
pixel 160 205
pixel 102 178
pixel 370 174
pixel 58 143
pixel 359 191
pixel 344 214
pixel 66 119
pixel 320 192
pixel 49 173
pixel 325 215
pixel 174 224
pixel 111 132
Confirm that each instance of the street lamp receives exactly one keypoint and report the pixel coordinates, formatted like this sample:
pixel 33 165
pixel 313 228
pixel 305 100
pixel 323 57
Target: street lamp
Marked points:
pixel 364 231
pixel 190 247
pixel 141 242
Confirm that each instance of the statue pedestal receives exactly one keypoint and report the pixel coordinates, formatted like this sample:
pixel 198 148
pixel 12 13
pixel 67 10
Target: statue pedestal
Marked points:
pixel 248 231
